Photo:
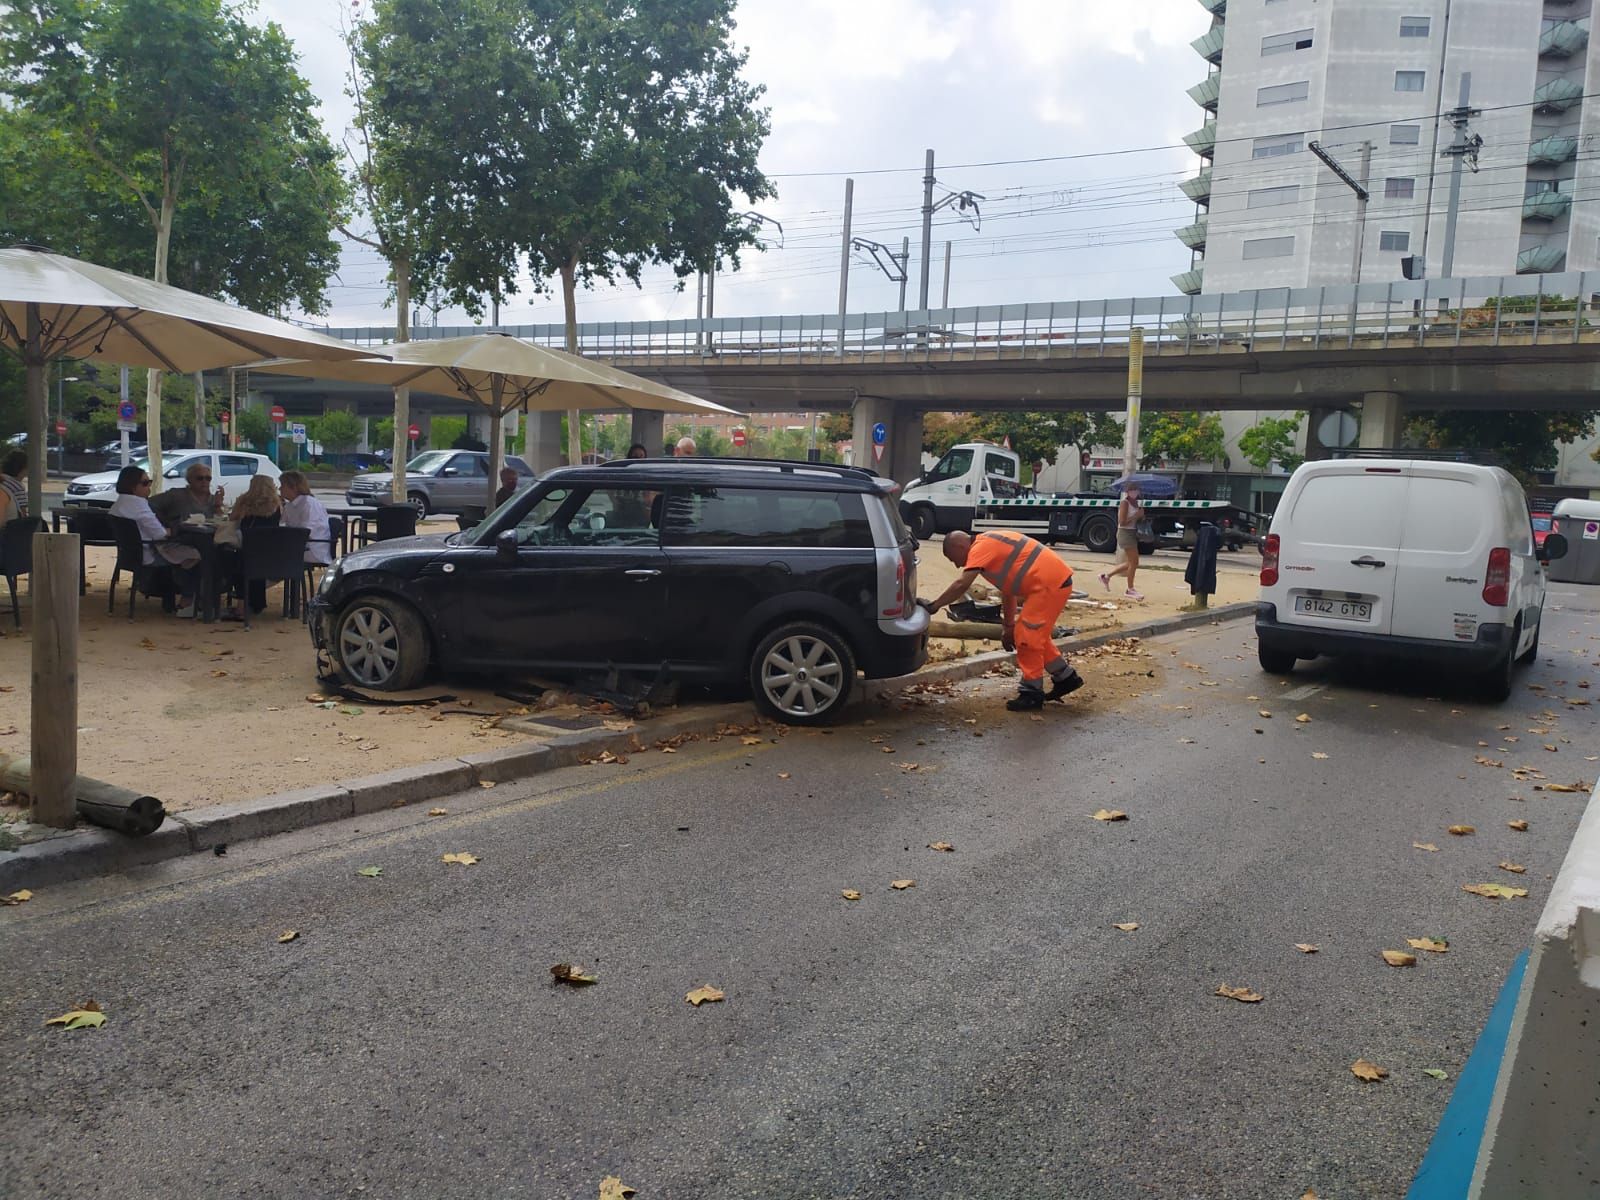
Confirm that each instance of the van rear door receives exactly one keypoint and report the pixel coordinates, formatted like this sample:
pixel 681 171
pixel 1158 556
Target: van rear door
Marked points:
pixel 1340 547
pixel 1452 520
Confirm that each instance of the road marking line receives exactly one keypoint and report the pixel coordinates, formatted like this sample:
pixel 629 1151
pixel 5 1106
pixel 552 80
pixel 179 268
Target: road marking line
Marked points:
pixel 1303 693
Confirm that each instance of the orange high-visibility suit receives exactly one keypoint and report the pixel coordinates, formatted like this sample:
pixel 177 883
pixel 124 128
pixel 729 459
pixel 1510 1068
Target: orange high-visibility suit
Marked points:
pixel 1028 573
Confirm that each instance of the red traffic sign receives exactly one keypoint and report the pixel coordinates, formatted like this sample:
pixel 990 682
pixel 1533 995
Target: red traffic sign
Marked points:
pixel 224 418
pixel 413 432
pixel 61 428
pixel 276 412
pixel 738 437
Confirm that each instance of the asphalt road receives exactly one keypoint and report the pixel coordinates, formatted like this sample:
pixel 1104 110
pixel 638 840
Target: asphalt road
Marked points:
pixel 986 1033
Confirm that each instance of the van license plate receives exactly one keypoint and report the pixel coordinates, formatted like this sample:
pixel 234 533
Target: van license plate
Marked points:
pixel 1345 610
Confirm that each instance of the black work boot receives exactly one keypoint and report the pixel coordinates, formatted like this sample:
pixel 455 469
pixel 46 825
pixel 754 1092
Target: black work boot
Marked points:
pixel 1027 700
pixel 1060 689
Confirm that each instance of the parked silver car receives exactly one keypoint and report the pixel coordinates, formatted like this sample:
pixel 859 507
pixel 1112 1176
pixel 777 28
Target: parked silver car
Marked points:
pixel 444 481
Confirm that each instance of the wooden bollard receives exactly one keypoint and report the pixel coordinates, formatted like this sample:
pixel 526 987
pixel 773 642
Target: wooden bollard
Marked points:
pixel 103 804
pixel 54 589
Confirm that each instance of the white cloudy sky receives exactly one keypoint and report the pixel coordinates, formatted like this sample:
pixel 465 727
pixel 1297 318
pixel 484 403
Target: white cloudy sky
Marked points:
pixel 862 88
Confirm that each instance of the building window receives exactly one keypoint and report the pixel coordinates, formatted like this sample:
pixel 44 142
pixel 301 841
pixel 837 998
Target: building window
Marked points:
pixel 1283 93
pixel 1278 247
pixel 1536 187
pixel 1410 81
pixel 1414 27
pixel 1284 43
pixel 1283 143
pixel 1405 135
pixel 1273 196
pixel 1399 187
pixel 1391 239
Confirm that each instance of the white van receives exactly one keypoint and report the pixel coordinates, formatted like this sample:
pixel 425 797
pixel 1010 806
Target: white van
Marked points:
pixel 1401 558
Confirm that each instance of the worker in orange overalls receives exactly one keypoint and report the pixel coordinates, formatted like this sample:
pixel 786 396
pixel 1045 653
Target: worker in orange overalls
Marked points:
pixel 1026 573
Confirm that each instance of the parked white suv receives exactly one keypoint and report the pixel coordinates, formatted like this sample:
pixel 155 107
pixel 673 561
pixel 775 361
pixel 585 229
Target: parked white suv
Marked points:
pixel 231 470
pixel 1402 558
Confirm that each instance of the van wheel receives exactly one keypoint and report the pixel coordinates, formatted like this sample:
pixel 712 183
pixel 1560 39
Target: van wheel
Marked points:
pixel 1275 662
pixel 802 674
pixel 1532 651
pixel 1099 534
pixel 1497 680
pixel 381 644
pixel 923 523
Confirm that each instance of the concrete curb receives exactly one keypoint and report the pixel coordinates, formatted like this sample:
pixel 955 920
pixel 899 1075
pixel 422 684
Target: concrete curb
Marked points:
pixel 87 852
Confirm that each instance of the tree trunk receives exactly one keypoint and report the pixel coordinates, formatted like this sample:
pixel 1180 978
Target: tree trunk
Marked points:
pixel 152 389
pixel 402 396
pixel 569 301
pixel 200 409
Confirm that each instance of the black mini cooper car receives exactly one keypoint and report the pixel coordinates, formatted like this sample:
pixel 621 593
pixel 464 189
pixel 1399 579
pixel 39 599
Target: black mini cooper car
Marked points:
pixel 790 577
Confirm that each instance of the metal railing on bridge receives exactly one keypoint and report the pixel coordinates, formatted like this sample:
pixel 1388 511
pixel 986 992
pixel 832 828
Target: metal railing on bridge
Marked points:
pixel 1512 310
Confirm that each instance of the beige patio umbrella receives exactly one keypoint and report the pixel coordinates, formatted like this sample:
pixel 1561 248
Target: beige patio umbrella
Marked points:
pixel 55 307
pixel 503 373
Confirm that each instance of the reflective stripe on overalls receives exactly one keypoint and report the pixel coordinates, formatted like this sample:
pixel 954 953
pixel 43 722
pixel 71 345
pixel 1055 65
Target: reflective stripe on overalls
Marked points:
pixel 1010 577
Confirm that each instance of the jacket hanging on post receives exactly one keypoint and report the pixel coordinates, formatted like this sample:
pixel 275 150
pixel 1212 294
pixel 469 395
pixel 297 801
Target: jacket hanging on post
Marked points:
pixel 1201 573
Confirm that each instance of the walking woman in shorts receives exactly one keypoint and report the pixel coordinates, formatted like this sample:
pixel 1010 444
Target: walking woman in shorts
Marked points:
pixel 1129 513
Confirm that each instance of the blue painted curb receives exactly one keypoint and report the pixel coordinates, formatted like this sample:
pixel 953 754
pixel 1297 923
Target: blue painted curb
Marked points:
pixel 1446 1170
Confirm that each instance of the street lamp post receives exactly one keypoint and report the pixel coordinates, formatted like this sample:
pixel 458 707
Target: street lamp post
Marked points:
pixel 61 416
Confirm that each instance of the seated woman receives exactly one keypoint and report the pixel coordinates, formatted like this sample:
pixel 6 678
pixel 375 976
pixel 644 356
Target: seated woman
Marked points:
pixel 302 510
pixel 133 504
pixel 258 508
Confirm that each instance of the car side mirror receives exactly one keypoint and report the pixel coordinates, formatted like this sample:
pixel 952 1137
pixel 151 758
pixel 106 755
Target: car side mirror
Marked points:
pixel 449 471
pixel 505 545
pixel 1555 546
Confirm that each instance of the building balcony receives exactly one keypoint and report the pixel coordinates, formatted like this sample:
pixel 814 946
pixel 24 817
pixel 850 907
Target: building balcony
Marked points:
pixel 1548 151
pixel 1546 206
pixel 1193 236
pixel 1188 282
pixel 1209 46
pixel 1205 93
pixel 1198 188
pixel 1564 40
pixel 1557 96
pixel 1202 141
pixel 1540 260
pixel 1219 8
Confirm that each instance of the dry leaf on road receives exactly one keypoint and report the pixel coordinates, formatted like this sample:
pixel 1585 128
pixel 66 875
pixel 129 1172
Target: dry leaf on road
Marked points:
pixel 1514 868
pixel 946 847
pixel 1487 762
pixel 486 783
pixel 18 897
pixel 1126 926
pixel 1494 891
pixel 1462 830
pixel 1264 713
pixel 571 975
pixel 370 872
pixel 612 1188
pixel 1399 958
pixel 850 894
pixel 1242 994
pixel 901 885
pixel 1318 754
pixel 1304 718
pixel 751 741
pixel 704 995
pixel 86 1016
pixel 1306 947
pixel 1368 1071
pixel 783 774
pixel 438 812
pixel 1428 846
pixel 289 935
pixel 1564 787
pixel 1519 825
pixel 1432 944
pixel 1435 1073
pixel 462 859
pixel 1110 814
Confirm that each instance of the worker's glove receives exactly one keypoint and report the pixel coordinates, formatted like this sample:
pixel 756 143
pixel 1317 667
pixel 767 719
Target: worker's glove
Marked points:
pixel 1008 637
pixel 927 604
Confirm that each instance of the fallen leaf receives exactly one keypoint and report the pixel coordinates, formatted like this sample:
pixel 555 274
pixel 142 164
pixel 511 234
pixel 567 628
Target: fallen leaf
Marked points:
pixel 1462 830
pixel 1399 958
pixel 1368 1071
pixel 1110 814
pixel 850 894
pixel 751 741
pixel 87 1017
pixel 1242 994
pixel 944 846
pixel 1428 846
pixel 783 774
pixel 288 935
pixel 909 766
pixel 612 1187
pixel 1564 787
pixel 901 885
pixel 1431 944
pixel 887 749
pixel 463 859
pixel 1494 891
pixel 1487 762
pixel 1264 713
pixel 1126 926
pixel 147 643
pixel 704 995
pixel 438 812
pixel 1435 1073
pixel 1306 947
pixel 370 872
pixel 19 897
pixel 1318 754
pixel 1519 825
pixel 486 783
pixel 1309 1194
pixel 571 975
pixel 1304 718
pixel 1514 868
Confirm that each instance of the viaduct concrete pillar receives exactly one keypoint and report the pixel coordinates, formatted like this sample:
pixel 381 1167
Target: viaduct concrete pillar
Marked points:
pixel 478 424
pixel 1380 420
pixel 902 447
pixel 544 449
pixel 649 430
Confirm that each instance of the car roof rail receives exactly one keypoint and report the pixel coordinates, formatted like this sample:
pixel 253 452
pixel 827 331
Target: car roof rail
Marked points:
pixel 1487 458
pixel 781 464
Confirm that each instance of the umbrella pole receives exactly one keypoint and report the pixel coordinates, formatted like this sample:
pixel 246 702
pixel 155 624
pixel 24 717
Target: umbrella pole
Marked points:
pixel 497 446
pixel 37 403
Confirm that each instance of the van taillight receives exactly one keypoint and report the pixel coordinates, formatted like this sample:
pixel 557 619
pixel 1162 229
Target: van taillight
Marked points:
pixel 1497 580
pixel 1269 561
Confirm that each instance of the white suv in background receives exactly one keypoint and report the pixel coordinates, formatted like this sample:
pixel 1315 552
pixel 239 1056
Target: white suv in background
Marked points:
pixel 232 469
pixel 1402 558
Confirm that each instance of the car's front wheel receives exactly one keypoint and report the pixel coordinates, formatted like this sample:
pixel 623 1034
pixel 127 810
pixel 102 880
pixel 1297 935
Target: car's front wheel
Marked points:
pixel 419 501
pixel 802 674
pixel 381 644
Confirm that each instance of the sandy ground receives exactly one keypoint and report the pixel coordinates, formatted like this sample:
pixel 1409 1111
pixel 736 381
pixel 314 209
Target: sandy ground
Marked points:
pixel 202 714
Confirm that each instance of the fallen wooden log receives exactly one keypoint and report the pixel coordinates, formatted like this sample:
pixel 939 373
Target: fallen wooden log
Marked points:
pixel 99 803
pixel 966 630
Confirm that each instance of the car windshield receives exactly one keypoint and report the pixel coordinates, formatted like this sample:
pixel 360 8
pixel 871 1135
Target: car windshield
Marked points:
pixel 1542 524
pixel 174 466
pixel 429 461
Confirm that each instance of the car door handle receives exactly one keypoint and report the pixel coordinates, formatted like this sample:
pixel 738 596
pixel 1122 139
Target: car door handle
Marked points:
pixel 642 573
pixel 1366 560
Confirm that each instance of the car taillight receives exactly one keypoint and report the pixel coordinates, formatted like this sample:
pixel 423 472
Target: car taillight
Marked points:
pixel 1269 561
pixel 899 588
pixel 1497 580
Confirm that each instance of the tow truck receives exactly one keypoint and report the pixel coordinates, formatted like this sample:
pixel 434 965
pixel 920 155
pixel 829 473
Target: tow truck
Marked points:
pixel 977 486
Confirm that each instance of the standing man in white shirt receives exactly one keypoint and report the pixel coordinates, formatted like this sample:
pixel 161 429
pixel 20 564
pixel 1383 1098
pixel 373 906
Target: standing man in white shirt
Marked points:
pixel 302 510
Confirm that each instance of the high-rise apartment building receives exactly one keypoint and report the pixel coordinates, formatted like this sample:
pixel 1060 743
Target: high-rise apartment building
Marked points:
pixel 1368 80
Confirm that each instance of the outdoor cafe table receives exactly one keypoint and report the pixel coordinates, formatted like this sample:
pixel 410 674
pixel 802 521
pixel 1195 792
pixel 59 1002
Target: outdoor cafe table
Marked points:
pixel 203 537
pixel 355 524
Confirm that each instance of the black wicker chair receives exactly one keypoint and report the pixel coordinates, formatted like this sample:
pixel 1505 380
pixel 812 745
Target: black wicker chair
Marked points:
pixel 16 555
pixel 272 554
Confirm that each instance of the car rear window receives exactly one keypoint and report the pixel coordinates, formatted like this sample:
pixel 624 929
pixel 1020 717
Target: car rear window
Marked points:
pixel 1445 515
pixel 719 516
pixel 1349 510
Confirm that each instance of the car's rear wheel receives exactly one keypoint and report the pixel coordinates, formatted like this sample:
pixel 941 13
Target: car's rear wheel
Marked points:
pixel 1273 661
pixel 381 644
pixel 1497 680
pixel 419 501
pixel 1532 652
pixel 1099 534
pixel 924 524
pixel 802 674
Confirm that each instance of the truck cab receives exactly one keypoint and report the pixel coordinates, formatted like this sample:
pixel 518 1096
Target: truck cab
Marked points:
pixel 948 496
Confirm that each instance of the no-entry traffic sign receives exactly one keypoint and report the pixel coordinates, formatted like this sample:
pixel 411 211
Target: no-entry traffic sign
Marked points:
pixel 413 432
pixel 738 437
pixel 61 429
pixel 276 412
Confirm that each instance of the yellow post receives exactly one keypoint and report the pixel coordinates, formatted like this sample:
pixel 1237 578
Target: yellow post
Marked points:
pixel 1130 437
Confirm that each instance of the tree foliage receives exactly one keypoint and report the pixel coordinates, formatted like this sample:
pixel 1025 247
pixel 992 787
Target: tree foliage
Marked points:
pixel 1182 437
pixel 1272 440
pixel 1525 442
pixel 338 430
pixel 254 428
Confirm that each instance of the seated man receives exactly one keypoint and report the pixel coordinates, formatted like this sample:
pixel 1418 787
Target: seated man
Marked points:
pixel 176 507
pixel 302 510
pixel 509 479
